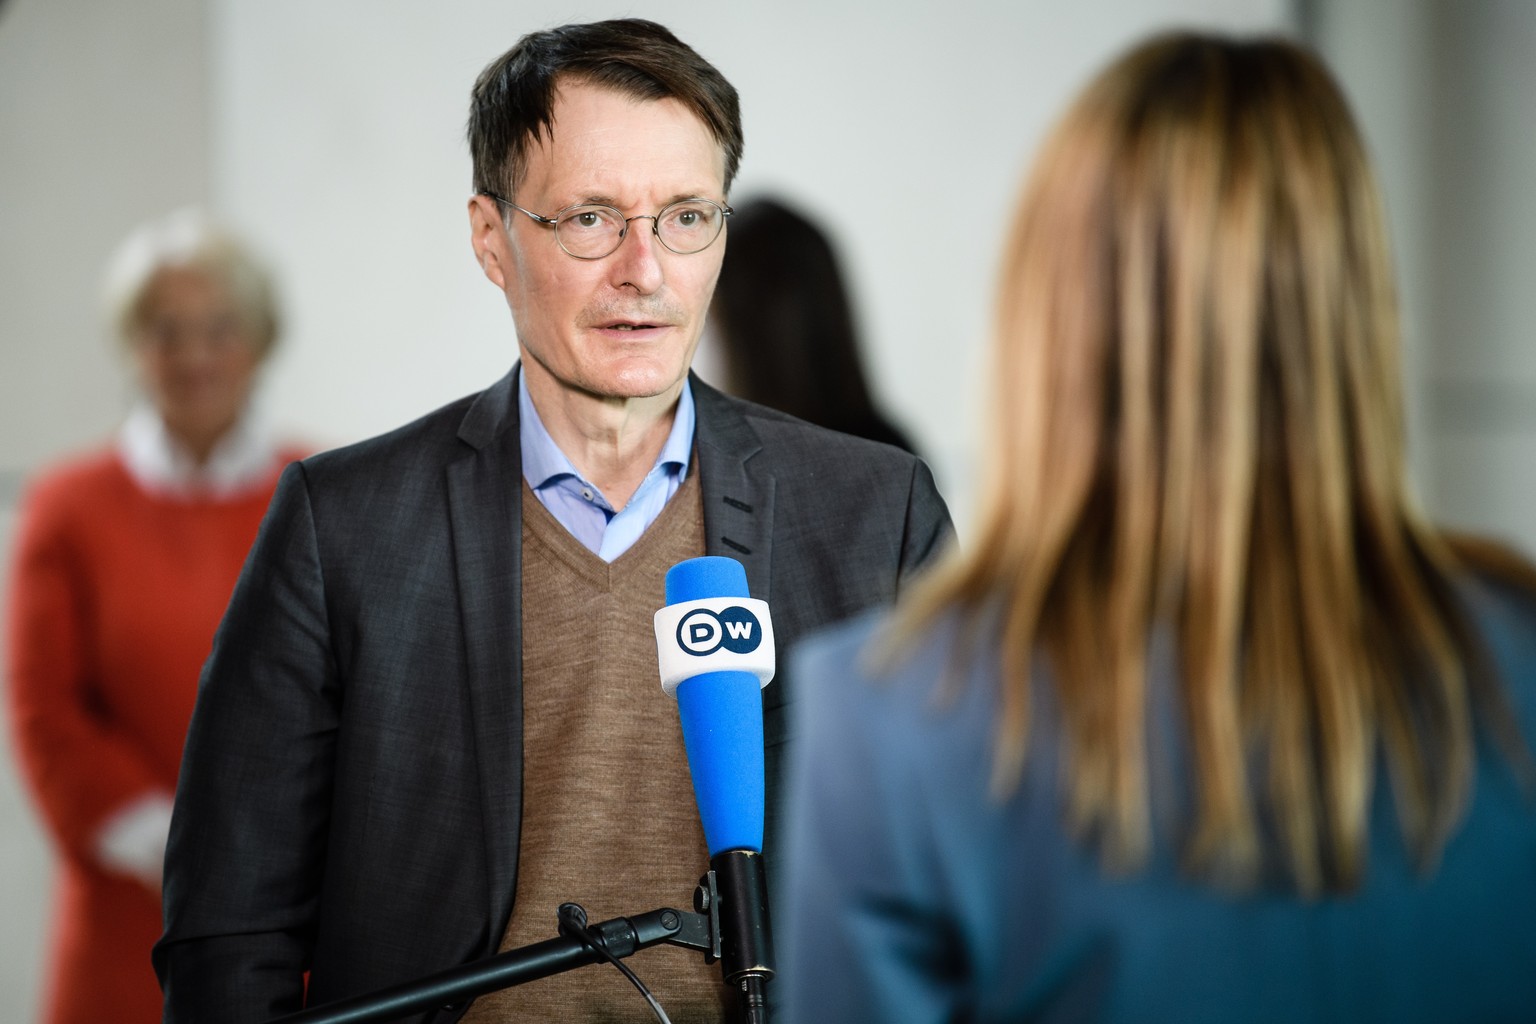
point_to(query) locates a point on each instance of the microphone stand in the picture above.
(737, 877)
(746, 954)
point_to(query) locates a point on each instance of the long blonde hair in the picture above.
(1197, 427)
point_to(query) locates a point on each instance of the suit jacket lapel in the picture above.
(739, 492)
(738, 503)
(485, 508)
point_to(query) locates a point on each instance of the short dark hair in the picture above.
(512, 103)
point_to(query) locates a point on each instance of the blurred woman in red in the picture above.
(125, 559)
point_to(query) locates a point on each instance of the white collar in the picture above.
(240, 462)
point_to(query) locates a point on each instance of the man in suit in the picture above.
(432, 711)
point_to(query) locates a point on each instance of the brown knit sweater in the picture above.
(609, 819)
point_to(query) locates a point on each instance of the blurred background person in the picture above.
(123, 564)
(781, 328)
(1207, 724)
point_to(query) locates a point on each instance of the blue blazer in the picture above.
(350, 794)
(909, 896)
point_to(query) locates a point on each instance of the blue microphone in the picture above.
(714, 645)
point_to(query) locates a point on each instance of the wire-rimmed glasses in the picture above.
(590, 231)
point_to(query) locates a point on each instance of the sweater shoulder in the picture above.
(80, 480)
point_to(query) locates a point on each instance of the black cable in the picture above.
(573, 921)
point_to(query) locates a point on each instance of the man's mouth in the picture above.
(629, 326)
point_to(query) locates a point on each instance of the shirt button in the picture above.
(586, 494)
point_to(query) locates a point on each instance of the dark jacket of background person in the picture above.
(1207, 725)
(783, 329)
(125, 559)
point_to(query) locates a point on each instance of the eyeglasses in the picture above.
(590, 231)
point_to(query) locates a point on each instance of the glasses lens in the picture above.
(590, 232)
(690, 225)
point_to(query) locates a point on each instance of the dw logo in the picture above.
(704, 632)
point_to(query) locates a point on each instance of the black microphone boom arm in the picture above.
(622, 936)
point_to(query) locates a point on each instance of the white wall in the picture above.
(103, 122)
(342, 148)
(1480, 374)
(1443, 93)
(333, 133)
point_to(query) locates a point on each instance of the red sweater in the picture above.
(115, 595)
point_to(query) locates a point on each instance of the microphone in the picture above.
(714, 644)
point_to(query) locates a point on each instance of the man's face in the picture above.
(624, 326)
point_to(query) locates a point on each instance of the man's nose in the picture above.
(637, 260)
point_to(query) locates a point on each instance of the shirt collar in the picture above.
(240, 463)
(544, 463)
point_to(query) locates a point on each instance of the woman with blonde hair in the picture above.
(124, 561)
(1206, 723)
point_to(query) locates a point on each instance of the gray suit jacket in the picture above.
(350, 795)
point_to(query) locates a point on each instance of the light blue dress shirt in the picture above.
(577, 503)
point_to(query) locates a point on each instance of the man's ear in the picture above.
(488, 238)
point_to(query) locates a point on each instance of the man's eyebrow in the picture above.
(600, 199)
